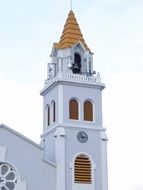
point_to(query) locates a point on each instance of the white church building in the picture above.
(72, 153)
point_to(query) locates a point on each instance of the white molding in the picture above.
(81, 44)
(49, 130)
(72, 79)
(49, 162)
(73, 126)
(104, 136)
(2, 153)
(60, 132)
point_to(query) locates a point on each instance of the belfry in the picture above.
(72, 154)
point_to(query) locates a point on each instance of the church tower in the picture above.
(73, 134)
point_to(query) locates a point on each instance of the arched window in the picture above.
(88, 111)
(47, 115)
(73, 109)
(82, 169)
(53, 111)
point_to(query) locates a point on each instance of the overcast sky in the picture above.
(113, 29)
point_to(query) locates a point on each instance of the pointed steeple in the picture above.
(71, 33)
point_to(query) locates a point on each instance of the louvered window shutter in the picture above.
(82, 169)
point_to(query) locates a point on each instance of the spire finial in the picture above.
(70, 4)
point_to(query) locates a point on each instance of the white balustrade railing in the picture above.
(79, 78)
(72, 77)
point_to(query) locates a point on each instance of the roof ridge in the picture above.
(21, 136)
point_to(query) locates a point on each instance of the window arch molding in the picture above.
(79, 48)
(74, 113)
(86, 111)
(93, 166)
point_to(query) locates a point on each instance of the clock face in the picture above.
(82, 136)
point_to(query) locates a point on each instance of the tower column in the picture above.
(60, 157)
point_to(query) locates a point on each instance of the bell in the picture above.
(76, 68)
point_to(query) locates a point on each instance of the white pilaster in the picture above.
(60, 103)
(60, 158)
(104, 170)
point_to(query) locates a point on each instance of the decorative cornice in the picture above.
(72, 126)
(72, 79)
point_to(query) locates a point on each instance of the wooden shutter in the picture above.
(73, 109)
(88, 111)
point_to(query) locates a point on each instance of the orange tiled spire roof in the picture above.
(71, 33)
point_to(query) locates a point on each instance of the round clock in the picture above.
(82, 136)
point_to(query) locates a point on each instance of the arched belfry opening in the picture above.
(77, 64)
(82, 169)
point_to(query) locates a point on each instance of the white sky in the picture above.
(113, 29)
